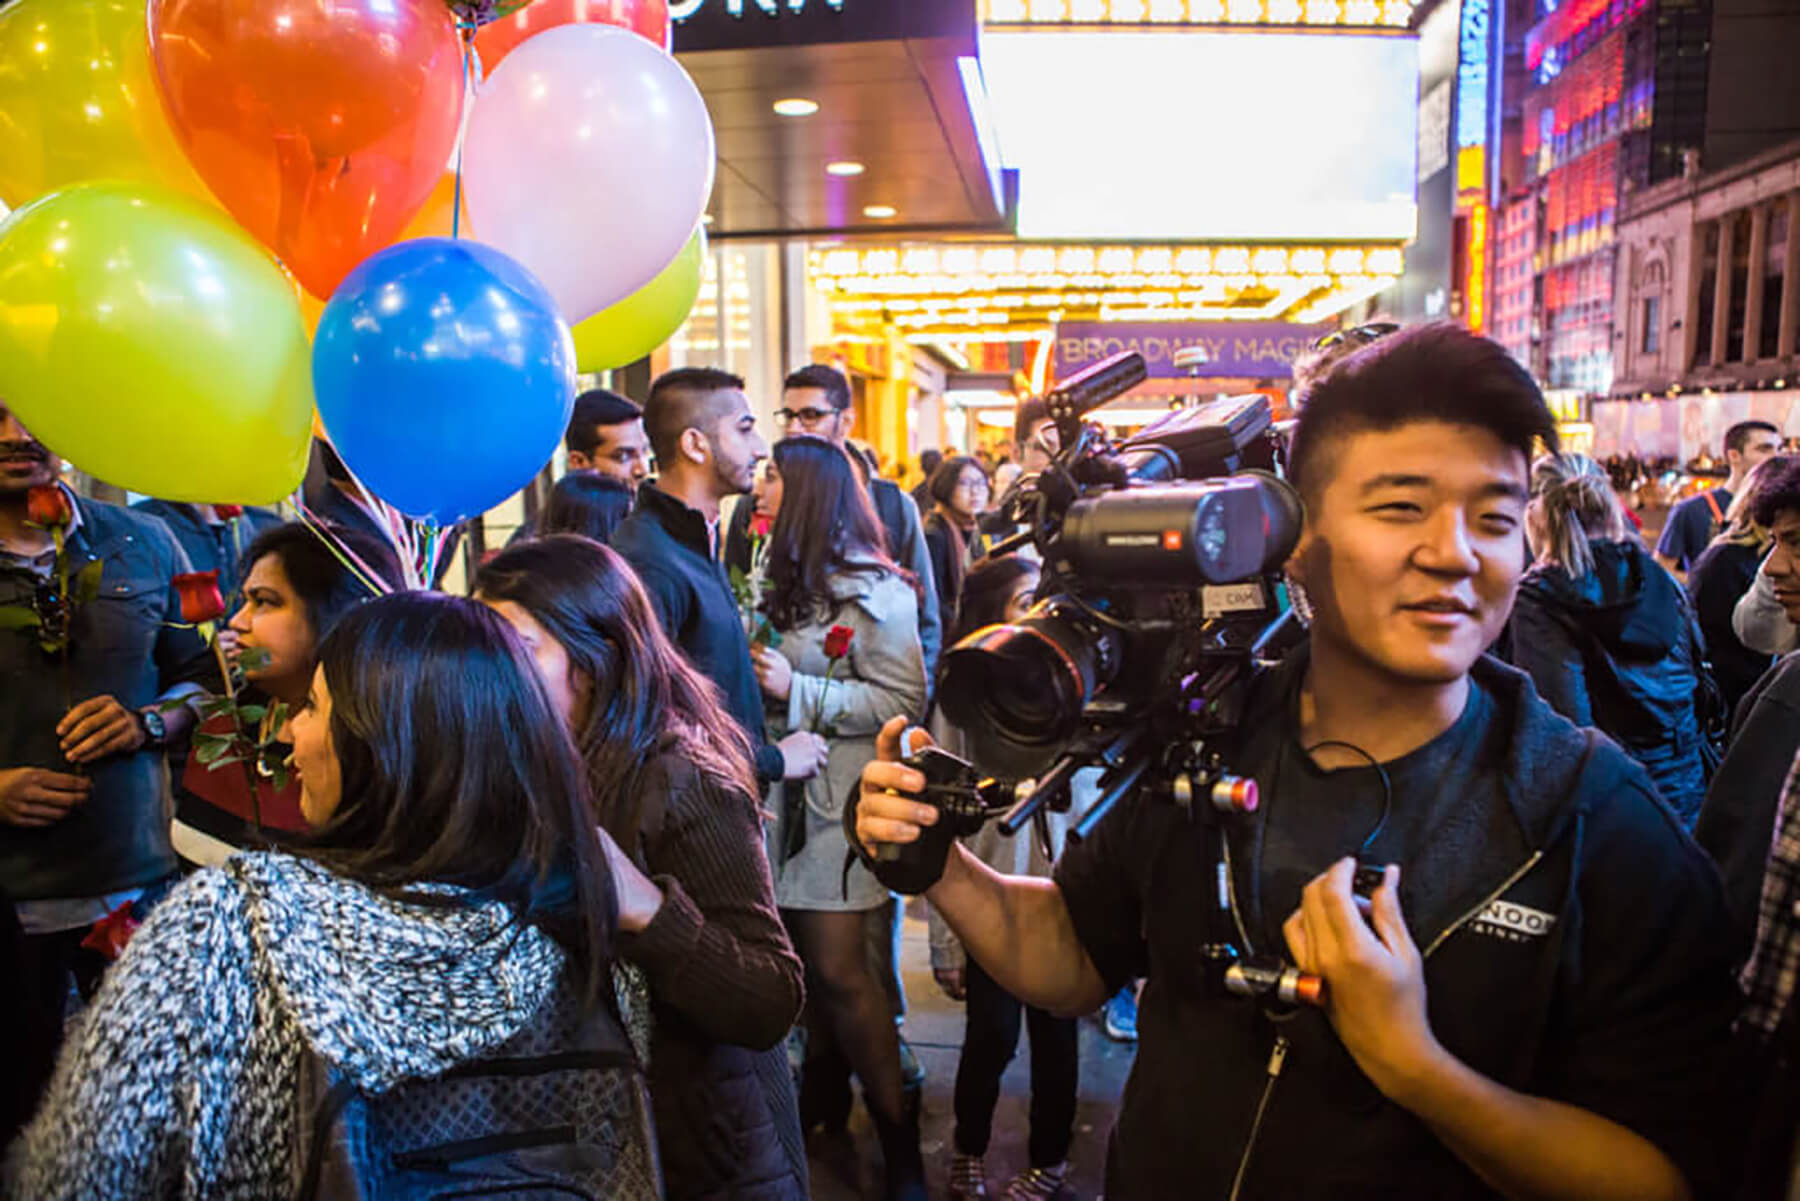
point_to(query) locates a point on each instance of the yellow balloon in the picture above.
(644, 320)
(152, 343)
(79, 100)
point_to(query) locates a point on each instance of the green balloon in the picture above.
(148, 340)
(647, 318)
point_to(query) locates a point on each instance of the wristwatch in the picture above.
(156, 731)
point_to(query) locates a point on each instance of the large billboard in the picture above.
(1204, 136)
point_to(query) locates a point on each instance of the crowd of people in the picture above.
(574, 885)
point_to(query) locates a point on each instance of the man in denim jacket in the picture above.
(84, 795)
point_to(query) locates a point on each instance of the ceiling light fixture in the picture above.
(796, 106)
(844, 169)
(881, 212)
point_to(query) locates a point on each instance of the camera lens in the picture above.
(1027, 683)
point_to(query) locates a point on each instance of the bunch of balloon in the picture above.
(629, 330)
(589, 158)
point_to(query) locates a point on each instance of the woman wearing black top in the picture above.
(959, 492)
(1721, 576)
(1606, 634)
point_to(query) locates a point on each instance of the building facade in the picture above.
(1708, 276)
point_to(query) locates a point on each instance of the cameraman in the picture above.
(1538, 999)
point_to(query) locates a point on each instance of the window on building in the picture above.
(1651, 342)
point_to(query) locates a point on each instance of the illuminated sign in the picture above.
(1472, 74)
(1255, 349)
(1475, 280)
(754, 24)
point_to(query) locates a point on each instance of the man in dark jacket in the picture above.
(707, 447)
(84, 798)
(816, 400)
(214, 537)
(1535, 1002)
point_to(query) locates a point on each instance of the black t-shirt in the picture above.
(1315, 816)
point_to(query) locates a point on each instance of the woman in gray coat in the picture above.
(849, 659)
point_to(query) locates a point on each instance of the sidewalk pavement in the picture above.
(934, 1027)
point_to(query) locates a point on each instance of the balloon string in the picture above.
(468, 37)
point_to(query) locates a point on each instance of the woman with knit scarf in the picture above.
(454, 886)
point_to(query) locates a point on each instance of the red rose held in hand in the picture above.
(47, 506)
(837, 641)
(110, 934)
(200, 599)
(760, 525)
(227, 512)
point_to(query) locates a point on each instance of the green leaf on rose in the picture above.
(223, 761)
(252, 658)
(252, 713)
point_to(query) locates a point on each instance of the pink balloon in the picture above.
(589, 159)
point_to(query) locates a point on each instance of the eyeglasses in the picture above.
(978, 484)
(1358, 335)
(806, 417)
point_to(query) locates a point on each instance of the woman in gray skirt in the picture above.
(848, 660)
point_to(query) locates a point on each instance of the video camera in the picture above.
(1160, 594)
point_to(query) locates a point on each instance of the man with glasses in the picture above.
(84, 800)
(816, 400)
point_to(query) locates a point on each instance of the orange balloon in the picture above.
(648, 18)
(322, 125)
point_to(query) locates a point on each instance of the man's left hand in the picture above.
(1374, 978)
(98, 727)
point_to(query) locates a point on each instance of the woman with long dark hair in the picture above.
(849, 660)
(454, 896)
(671, 780)
(959, 491)
(295, 590)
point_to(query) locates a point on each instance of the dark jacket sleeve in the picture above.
(737, 535)
(1543, 649)
(716, 950)
(1647, 996)
(901, 517)
(1737, 822)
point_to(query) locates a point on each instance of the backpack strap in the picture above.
(1712, 502)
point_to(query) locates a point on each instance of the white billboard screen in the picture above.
(1206, 136)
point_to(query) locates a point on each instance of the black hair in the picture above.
(586, 503)
(929, 460)
(942, 484)
(332, 462)
(1738, 436)
(593, 409)
(645, 693)
(986, 589)
(1777, 492)
(681, 400)
(826, 526)
(1031, 413)
(1436, 372)
(456, 770)
(326, 587)
(829, 380)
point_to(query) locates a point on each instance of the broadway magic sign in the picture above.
(1243, 349)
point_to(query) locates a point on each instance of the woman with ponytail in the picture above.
(1606, 634)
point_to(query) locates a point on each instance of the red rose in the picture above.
(837, 641)
(200, 599)
(227, 512)
(760, 525)
(47, 506)
(112, 932)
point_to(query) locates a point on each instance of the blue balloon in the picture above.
(445, 376)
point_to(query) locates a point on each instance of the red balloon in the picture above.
(648, 18)
(322, 125)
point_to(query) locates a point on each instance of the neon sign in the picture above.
(1472, 75)
(1475, 285)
